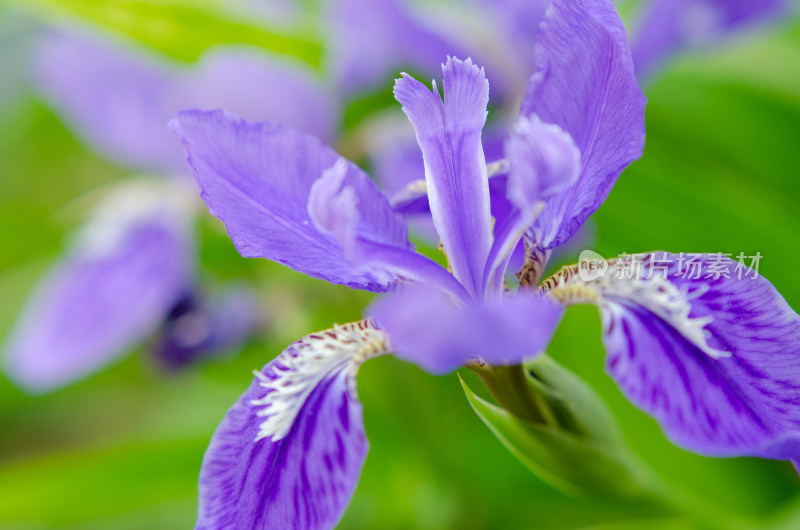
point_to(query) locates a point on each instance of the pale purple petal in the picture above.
(449, 135)
(93, 306)
(372, 40)
(119, 99)
(204, 326)
(332, 206)
(733, 391)
(427, 329)
(398, 167)
(543, 160)
(257, 179)
(584, 83)
(303, 480)
(502, 209)
(665, 27)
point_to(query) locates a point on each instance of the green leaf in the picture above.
(183, 31)
(572, 463)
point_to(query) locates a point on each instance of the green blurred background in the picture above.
(122, 449)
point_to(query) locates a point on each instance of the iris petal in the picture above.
(257, 178)
(427, 329)
(289, 452)
(449, 135)
(710, 350)
(584, 83)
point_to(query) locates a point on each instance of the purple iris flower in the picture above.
(126, 267)
(665, 27)
(715, 359)
(117, 100)
(289, 452)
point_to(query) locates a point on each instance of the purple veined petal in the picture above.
(449, 135)
(289, 452)
(119, 99)
(112, 291)
(257, 179)
(703, 344)
(427, 329)
(584, 83)
(201, 326)
(370, 40)
(664, 27)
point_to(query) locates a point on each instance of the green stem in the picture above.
(511, 390)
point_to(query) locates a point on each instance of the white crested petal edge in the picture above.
(305, 364)
(655, 294)
(288, 454)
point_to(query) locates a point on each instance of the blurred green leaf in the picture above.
(181, 30)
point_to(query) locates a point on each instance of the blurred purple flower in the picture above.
(289, 452)
(201, 326)
(370, 40)
(120, 278)
(119, 101)
(665, 27)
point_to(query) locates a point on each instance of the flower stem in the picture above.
(511, 390)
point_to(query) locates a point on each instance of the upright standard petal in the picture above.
(257, 179)
(449, 135)
(705, 345)
(427, 329)
(119, 99)
(584, 83)
(111, 292)
(665, 27)
(289, 453)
